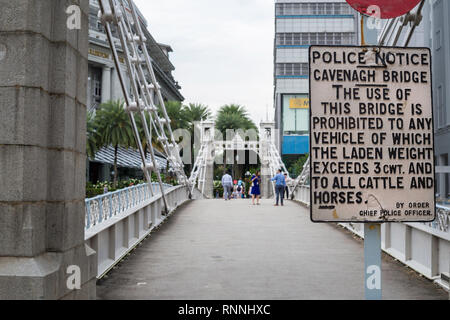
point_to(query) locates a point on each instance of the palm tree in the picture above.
(114, 129)
(177, 115)
(234, 117)
(92, 136)
(154, 139)
(196, 112)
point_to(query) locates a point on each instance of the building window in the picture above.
(313, 9)
(295, 110)
(312, 38)
(292, 69)
(95, 23)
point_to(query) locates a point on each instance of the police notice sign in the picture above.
(372, 155)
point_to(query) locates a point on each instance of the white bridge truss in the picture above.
(265, 148)
(145, 96)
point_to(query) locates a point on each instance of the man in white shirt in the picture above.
(227, 184)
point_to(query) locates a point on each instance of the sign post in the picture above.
(372, 232)
(372, 141)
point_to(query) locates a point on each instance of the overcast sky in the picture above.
(223, 50)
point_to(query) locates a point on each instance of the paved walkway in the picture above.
(212, 249)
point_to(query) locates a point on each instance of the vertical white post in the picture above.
(372, 231)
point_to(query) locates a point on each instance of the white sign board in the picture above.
(372, 138)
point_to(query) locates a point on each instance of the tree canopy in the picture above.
(235, 117)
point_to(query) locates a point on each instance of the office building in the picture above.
(104, 85)
(299, 24)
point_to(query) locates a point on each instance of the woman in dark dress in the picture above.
(255, 191)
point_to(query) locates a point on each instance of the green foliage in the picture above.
(196, 112)
(92, 137)
(141, 129)
(233, 117)
(93, 190)
(217, 187)
(113, 126)
(297, 167)
(177, 115)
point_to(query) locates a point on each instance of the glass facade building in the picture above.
(299, 24)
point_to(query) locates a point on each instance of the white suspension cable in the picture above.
(124, 18)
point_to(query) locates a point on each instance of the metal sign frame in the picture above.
(432, 133)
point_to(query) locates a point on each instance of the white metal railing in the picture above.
(442, 222)
(424, 247)
(118, 221)
(106, 206)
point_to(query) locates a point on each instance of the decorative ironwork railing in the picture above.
(442, 222)
(106, 206)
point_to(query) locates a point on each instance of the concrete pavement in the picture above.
(212, 249)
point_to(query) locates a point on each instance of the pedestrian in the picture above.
(280, 185)
(255, 190)
(239, 190)
(286, 189)
(227, 184)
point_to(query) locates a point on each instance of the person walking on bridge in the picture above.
(280, 186)
(286, 189)
(227, 184)
(255, 190)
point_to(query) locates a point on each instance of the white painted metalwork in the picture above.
(424, 247)
(106, 206)
(265, 148)
(393, 29)
(302, 179)
(129, 216)
(270, 157)
(123, 17)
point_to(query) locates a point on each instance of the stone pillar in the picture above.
(209, 184)
(106, 84)
(266, 182)
(43, 75)
(207, 136)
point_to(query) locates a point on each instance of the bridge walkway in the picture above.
(212, 249)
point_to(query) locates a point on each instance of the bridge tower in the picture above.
(43, 152)
(207, 139)
(267, 139)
